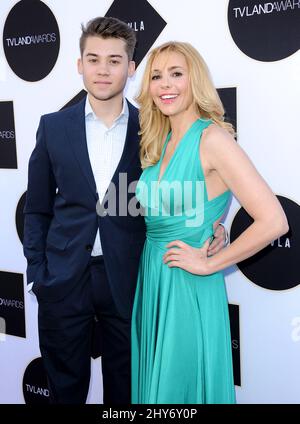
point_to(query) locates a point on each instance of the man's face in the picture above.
(104, 67)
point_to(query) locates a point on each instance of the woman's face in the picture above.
(169, 84)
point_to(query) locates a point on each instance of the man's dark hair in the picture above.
(107, 27)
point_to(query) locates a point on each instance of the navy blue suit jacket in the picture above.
(61, 221)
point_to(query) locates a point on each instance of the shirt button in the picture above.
(89, 247)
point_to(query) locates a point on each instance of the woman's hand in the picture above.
(191, 259)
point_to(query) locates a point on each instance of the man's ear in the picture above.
(79, 66)
(131, 68)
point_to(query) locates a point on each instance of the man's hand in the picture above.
(219, 240)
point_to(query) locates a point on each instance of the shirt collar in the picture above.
(89, 113)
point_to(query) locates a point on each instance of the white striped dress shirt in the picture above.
(105, 148)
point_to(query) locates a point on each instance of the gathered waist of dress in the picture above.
(162, 242)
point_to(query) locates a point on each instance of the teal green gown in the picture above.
(181, 344)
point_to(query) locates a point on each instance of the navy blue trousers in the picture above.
(65, 335)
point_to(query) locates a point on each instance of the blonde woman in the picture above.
(181, 346)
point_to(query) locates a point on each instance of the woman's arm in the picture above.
(237, 172)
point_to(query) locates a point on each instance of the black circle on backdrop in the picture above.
(35, 387)
(20, 217)
(276, 266)
(265, 30)
(31, 40)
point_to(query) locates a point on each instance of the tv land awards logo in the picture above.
(35, 386)
(265, 30)
(276, 266)
(143, 18)
(31, 45)
(12, 303)
(8, 152)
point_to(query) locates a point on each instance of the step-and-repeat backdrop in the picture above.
(252, 50)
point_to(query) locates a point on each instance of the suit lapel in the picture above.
(77, 137)
(131, 144)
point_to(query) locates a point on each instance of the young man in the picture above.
(81, 264)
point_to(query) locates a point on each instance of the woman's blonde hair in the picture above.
(154, 125)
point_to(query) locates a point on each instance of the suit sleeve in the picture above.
(38, 210)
